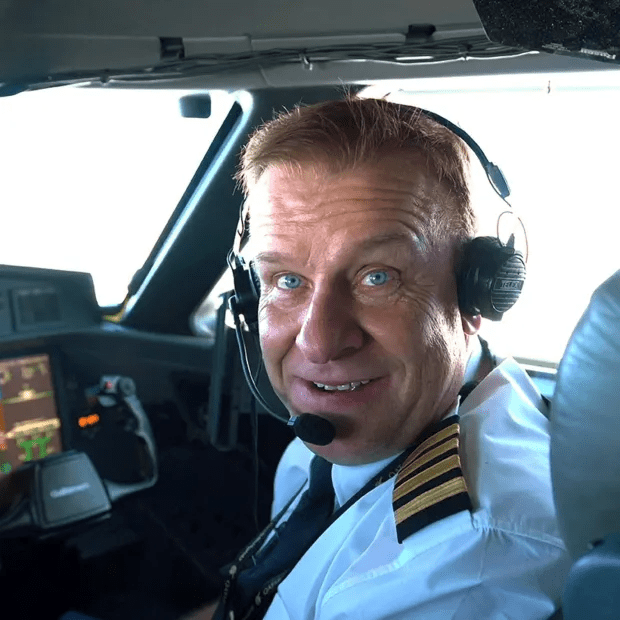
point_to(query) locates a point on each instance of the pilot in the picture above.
(429, 501)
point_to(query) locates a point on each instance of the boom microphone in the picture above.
(313, 428)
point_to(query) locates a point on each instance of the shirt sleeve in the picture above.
(479, 575)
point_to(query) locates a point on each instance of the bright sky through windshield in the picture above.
(556, 139)
(91, 176)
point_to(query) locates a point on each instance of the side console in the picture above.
(64, 458)
(68, 448)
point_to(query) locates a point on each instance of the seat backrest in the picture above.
(585, 458)
(585, 425)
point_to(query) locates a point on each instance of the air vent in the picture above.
(36, 306)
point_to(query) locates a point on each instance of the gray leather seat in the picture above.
(585, 457)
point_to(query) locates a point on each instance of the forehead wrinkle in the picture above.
(375, 186)
(294, 235)
(394, 242)
(296, 251)
(297, 219)
(398, 240)
(305, 201)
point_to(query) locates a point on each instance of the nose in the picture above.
(329, 330)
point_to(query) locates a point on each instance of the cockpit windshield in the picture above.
(90, 177)
(552, 137)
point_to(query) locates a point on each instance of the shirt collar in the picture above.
(349, 479)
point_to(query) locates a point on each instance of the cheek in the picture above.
(447, 347)
(277, 333)
(426, 340)
(408, 327)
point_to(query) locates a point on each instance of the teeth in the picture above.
(344, 387)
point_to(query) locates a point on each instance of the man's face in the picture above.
(358, 291)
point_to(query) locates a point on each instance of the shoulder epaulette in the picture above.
(430, 484)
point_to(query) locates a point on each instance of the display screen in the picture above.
(29, 422)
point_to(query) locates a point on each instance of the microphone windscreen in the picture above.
(313, 429)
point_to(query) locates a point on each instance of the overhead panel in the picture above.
(233, 18)
(45, 40)
(245, 44)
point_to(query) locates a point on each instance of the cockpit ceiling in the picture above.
(248, 44)
(200, 18)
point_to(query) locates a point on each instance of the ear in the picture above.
(471, 324)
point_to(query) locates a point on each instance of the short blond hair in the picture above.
(355, 131)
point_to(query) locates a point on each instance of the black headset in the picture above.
(490, 274)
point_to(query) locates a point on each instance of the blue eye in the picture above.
(376, 278)
(288, 281)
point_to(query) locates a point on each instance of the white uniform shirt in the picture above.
(504, 560)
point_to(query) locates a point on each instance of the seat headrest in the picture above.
(585, 424)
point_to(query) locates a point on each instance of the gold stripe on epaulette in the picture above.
(431, 497)
(453, 429)
(413, 483)
(430, 485)
(451, 444)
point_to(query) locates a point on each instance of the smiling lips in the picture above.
(344, 387)
(315, 396)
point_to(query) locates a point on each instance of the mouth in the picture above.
(344, 387)
(308, 396)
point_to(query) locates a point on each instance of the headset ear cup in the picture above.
(247, 292)
(490, 278)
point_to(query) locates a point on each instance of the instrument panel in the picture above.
(30, 427)
(71, 441)
(73, 447)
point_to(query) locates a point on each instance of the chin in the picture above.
(342, 452)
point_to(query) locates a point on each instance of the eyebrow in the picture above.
(399, 238)
(368, 245)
